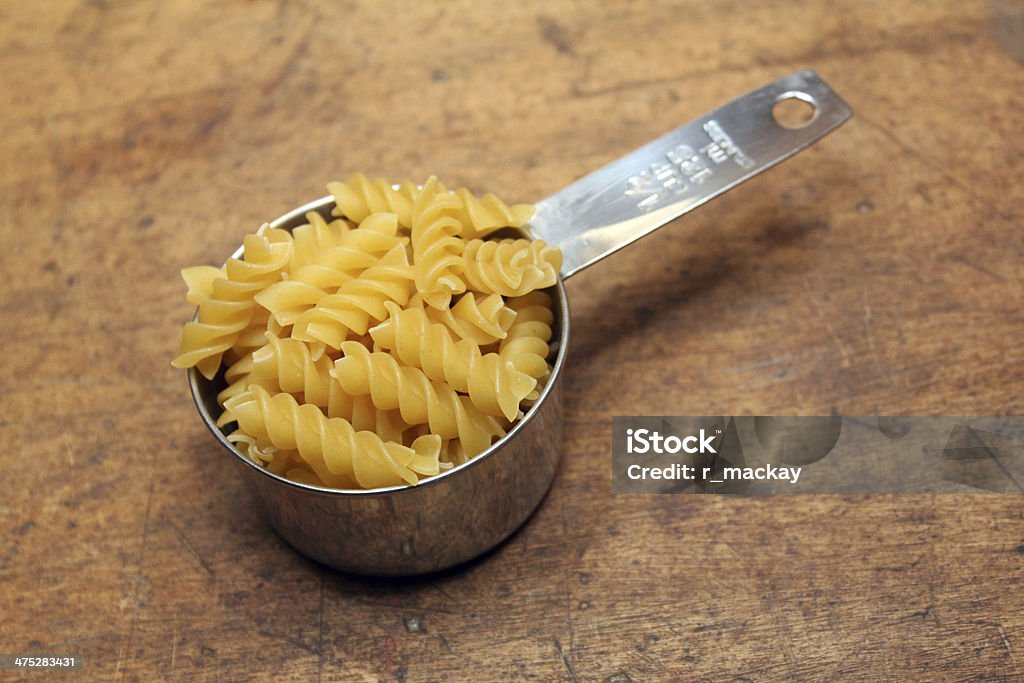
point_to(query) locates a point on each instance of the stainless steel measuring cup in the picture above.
(462, 513)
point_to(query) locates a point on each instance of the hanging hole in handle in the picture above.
(794, 110)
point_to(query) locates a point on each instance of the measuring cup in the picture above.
(460, 514)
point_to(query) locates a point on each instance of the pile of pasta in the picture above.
(393, 342)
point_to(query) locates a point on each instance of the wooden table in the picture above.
(879, 271)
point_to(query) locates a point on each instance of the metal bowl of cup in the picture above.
(404, 530)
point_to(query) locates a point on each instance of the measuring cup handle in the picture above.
(655, 184)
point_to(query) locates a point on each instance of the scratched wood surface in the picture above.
(879, 271)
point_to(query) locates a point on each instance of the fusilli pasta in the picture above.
(380, 347)
(481, 216)
(493, 384)
(315, 236)
(483, 319)
(526, 344)
(510, 267)
(419, 401)
(357, 302)
(352, 254)
(226, 305)
(358, 197)
(331, 446)
(436, 247)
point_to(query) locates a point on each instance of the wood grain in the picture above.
(879, 271)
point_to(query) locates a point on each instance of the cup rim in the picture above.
(195, 380)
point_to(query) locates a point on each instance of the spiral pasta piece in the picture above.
(511, 267)
(289, 365)
(199, 281)
(204, 343)
(264, 454)
(227, 310)
(479, 318)
(286, 463)
(237, 377)
(436, 247)
(363, 415)
(481, 216)
(285, 364)
(253, 337)
(357, 302)
(358, 197)
(331, 446)
(526, 345)
(312, 238)
(265, 255)
(354, 252)
(493, 384)
(419, 401)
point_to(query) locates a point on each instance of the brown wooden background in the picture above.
(879, 271)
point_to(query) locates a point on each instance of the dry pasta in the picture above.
(331, 446)
(436, 248)
(358, 197)
(382, 345)
(510, 267)
(482, 216)
(226, 309)
(357, 303)
(289, 365)
(363, 415)
(393, 386)
(309, 240)
(493, 384)
(526, 344)
(353, 253)
(483, 319)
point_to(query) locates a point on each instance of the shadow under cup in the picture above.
(407, 530)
